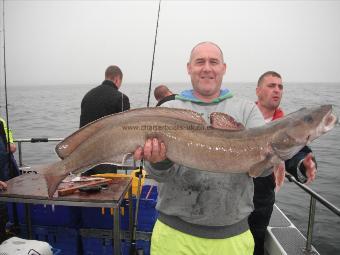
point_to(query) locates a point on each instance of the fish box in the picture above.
(66, 241)
(49, 215)
(56, 251)
(95, 217)
(147, 213)
(99, 241)
(103, 217)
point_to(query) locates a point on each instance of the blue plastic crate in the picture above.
(47, 215)
(99, 241)
(56, 251)
(20, 207)
(67, 240)
(92, 217)
(140, 245)
(147, 213)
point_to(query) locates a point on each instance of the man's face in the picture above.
(269, 92)
(206, 69)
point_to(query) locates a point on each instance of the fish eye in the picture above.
(308, 119)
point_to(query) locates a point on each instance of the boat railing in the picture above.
(314, 196)
(32, 140)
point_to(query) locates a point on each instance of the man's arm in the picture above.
(302, 166)
(126, 103)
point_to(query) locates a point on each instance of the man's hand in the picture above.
(310, 167)
(12, 147)
(3, 185)
(153, 151)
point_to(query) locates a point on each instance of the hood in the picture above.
(187, 95)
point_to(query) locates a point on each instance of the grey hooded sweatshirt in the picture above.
(201, 203)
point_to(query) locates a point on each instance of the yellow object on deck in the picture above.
(132, 174)
(134, 184)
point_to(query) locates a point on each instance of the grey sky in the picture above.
(72, 42)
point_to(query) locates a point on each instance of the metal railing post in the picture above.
(20, 152)
(310, 224)
(314, 197)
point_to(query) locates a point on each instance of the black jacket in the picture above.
(8, 165)
(101, 101)
(3, 134)
(264, 194)
(166, 99)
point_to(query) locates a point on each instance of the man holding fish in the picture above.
(202, 212)
(204, 173)
(206, 212)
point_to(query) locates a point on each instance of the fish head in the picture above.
(300, 128)
(308, 124)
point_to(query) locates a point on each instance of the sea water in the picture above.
(53, 112)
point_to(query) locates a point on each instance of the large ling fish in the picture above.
(189, 140)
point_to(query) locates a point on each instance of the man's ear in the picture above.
(117, 81)
(258, 90)
(188, 68)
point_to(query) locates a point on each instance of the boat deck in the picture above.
(283, 237)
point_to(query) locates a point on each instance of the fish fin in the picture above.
(221, 120)
(258, 168)
(280, 174)
(70, 143)
(53, 182)
(182, 114)
(53, 173)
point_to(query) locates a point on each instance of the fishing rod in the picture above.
(133, 248)
(7, 137)
(153, 55)
(7, 144)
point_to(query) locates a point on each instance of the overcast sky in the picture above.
(72, 42)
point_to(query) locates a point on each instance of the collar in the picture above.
(278, 113)
(187, 95)
(110, 83)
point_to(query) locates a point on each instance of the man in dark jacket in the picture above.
(302, 166)
(104, 99)
(163, 94)
(8, 170)
(101, 101)
(8, 165)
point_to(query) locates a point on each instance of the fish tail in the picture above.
(53, 182)
(53, 174)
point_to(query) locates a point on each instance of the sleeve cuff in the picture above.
(301, 172)
(163, 165)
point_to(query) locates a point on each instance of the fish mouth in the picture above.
(330, 120)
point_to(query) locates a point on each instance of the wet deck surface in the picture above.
(33, 186)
